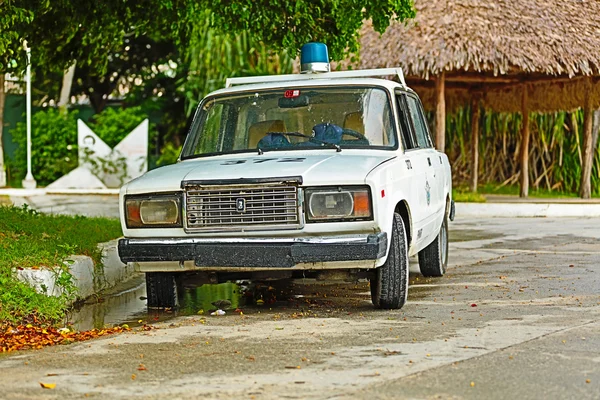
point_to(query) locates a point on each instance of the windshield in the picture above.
(291, 119)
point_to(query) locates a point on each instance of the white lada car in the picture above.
(295, 175)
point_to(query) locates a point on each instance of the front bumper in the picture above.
(281, 253)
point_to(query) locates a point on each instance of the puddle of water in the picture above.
(194, 299)
(129, 306)
(110, 310)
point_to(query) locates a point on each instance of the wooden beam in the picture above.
(475, 113)
(585, 188)
(440, 113)
(524, 143)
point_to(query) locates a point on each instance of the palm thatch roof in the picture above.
(494, 48)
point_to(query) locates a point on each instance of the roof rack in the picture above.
(365, 73)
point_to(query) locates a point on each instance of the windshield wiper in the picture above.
(298, 134)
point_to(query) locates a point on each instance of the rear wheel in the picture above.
(433, 259)
(161, 290)
(389, 286)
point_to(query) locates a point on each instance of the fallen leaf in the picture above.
(48, 385)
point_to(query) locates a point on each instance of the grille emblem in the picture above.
(240, 205)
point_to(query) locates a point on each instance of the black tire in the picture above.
(161, 290)
(389, 286)
(433, 259)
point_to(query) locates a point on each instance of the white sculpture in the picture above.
(100, 166)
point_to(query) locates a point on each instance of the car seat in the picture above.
(258, 131)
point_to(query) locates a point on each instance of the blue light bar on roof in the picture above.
(314, 58)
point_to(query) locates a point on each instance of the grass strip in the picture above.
(29, 239)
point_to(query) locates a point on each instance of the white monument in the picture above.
(101, 167)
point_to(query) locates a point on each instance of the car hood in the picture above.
(324, 168)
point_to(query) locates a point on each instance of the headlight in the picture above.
(153, 211)
(338, 203)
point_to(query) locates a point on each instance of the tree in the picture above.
(63, 31)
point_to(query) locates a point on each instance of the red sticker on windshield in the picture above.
(289, 94)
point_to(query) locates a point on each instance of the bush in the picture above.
(54, 145)
(168, 155)
(113, 124)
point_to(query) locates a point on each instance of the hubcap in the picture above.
(443, 244)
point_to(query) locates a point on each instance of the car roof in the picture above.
(327, 82)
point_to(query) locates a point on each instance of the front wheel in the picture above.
(389, 286)
(433, 259)
(161, 290)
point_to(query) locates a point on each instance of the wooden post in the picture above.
(475, 113)
(524, 144)
(585, 188)
(440, 112)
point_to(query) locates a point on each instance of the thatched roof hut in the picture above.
(506, 55)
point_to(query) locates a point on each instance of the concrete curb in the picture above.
(88, 279)
(527, 210)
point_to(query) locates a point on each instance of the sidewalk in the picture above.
(105, 203)
(95, 203)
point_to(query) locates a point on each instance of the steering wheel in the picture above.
(353, 133)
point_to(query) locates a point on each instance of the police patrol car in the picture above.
(296, 175)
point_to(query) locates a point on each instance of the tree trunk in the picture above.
(524, 144)
(595, 131)
(65, 91)
(475, 113)
(585, 188)
(440, 113)
(2, 98)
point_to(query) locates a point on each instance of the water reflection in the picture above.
(195, 299)
(129, 306)
(122, 307)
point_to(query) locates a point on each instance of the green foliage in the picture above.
(514, 190)
(214, 56)
(287, 25)
(463, 195)
(555, 154)
(19, 301)
(113, 124)
(54, 145)
(168, 155)
(31, 239)
(62, 31)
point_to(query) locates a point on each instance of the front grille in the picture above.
(264, 205)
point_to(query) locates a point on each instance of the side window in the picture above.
(416, 114)
(408, 138)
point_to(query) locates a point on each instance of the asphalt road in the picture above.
(516, 316)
